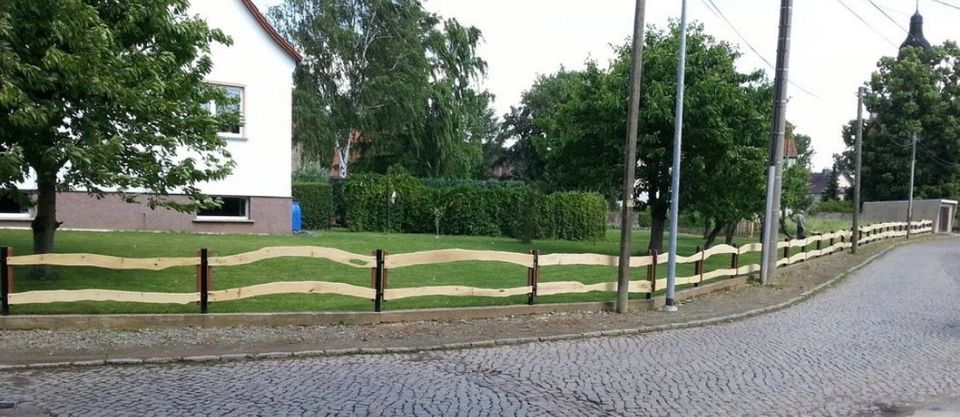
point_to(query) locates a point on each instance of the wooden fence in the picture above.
(380, 263)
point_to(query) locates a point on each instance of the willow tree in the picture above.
(99, 96)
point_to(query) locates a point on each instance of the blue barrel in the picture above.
(297, 220)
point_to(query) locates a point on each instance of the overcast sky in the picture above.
(833, 52)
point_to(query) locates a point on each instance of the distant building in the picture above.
(820, 181)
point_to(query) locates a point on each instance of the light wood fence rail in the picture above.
(379, 263)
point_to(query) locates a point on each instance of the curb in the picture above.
(239, 357)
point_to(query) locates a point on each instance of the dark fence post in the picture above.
(6, 280)
(735, 260)
(652, 273)
(786, 250)
(698, 267)
(533, 277)
(204, 279)
(377, 277)
(831, 242)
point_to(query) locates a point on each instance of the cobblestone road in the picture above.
(888, 335)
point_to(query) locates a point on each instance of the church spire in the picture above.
(915, 38)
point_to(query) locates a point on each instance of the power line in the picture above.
(867, 23)
(884, 12)
(717, 12)
(946, 4)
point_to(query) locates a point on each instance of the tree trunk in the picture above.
(712, 235)
(706, 228)
(731, 232)
(658, 220)
(45, 223)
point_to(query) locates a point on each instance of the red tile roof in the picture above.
(790, 149)
(265, 24)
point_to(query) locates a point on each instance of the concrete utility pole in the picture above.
(671, 303)
(858, 150)
(771, 230)
(913, 169)
(630, 159)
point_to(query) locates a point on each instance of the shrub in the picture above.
(316, 203)
(514, 211)
(312, 172)
(578, 216)
(339, 206)
(835, 206)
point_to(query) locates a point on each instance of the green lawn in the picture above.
(477, 274)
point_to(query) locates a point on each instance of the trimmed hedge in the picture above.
(316, 203)
(470, 209)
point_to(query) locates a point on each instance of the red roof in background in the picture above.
(790, 149)
(265, 24)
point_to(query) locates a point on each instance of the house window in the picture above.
(10, 208)
(215, 108)
(231, 208)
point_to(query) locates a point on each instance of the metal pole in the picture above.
(671, 304)
(858, 149)
(630, 159)
(771, 228)
(913, 168)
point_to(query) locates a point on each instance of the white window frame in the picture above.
(24, 215)
(212, 106)
(228, 219)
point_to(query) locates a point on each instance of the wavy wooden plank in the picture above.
(454, 291)
(335, 255)
(752, 247)
(101, 261)
(638, 261)
(719, 250)
(729, 272)
(573, 287)
(457, 255)
(815, 253)
(693, 279)
(578, 259)
(69, 296)
(797, 258)
(783, 262)
(748, 269)
(292, 287)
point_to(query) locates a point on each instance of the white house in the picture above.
(257, 67)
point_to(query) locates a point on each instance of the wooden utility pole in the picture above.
(858, 149)
(771, 228)
(630, 159)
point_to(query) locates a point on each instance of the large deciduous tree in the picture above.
(107, 95)
(916, 92)
(581, 127)
(390, 80)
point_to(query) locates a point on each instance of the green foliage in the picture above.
(576, 122)
(832, 191)
(316, 204)
(406, 79)
(514, 211)
(113, 92)
(916, 92)
(339, 204)
(796, 189)
(578, 216)
(835, 206)
(312, 172)
(453, 182)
